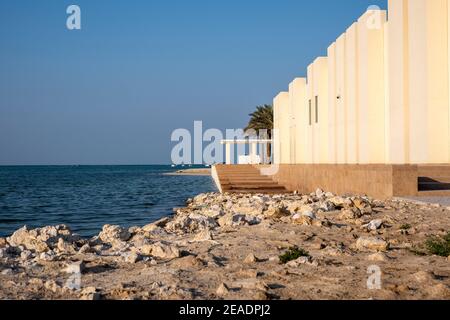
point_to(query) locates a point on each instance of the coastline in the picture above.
(190, 172)
(228, 246)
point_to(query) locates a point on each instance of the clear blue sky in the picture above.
(113, 92)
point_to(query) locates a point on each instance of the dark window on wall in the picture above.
(317, 109)
(310, 111)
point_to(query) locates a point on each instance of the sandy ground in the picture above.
(239, 258)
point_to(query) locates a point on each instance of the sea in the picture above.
(87, 197)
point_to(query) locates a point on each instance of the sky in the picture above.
(114, 91)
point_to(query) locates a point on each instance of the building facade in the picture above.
(380, 96)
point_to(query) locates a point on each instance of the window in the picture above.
(310, 115)
(317, 109)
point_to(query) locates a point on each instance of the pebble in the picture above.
(222, 290)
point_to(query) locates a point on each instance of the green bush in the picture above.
(293, 254)
(439, 246)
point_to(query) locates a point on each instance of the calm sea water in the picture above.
(87, 197)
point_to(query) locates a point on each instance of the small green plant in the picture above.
(405, 226)
(439, 246)
(293, 254)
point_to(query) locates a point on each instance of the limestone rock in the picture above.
(439, 291)
(371, 244)
(377, 257)
(204, 235)
(296, 263)
(51, 285)
(90, 293)
(3, 243)
(234, 220)
(114, 234)
(86, 249)
(250, 259)
(131, 257)
(363, 205)
(276, 212)
(65, 247)
(373, 225)
(350, 213)
(26, 255)
(160, 223)
(303, 220)
(161, 250)
(7, 272)
(222, 290)
(28, 239)
(190, 223)
(423, 277)
(47, 256)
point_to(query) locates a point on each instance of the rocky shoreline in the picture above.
(231, 246)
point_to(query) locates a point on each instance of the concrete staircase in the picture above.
(244, 179)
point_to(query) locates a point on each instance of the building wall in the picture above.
(297, 98)
(282, 144)
(383, 92)
(370, 89)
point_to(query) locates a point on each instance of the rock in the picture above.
(233, 220)
(320, 193)
(52, 286)
(423, 277)
(131, 257)
(327, 206)
(161, 250)
(85, 249)
(377, 257)
(65, 247)
(373, 225)
(350, 214)
(296, 263)
(204, 235)
(363, 205)
(114, 234)
(90, 293)
(26, 255)
(250, 259)
(261, 296)
(47, 256)
(160, 223)
(276, 212)
(339, 202)
(222, 290)
(188, 262)
(439, 291)
(371, 243)
(275, 259)
(303, 220)
(28, 239)
(36, 282)
(213, 212)
(190, 223)
(75, 268)
(333, 252)
(7, 272)
(3, 243)
(251, 284)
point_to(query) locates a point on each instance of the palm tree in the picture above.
(262, 119)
